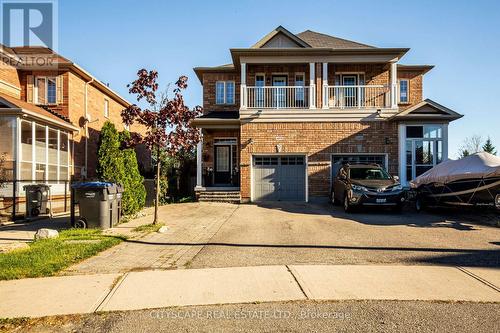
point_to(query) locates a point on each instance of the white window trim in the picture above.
(407, 91)
(35, 91)
(224, 94)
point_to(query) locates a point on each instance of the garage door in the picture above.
(279, 178)
(338, 160)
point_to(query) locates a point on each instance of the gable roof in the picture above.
(276, 32)
(35, 111)
(427, 109)
(320, 40)
(311, 39)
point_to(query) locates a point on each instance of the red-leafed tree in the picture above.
(167, 120)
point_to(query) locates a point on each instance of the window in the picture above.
(106, 108)
(45, 90)
(259, 91)
(51, 91)
(299, 92)
(51, 149)
(403, 91)
(424, 148)
(224, 92)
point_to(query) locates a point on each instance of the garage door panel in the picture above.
(279, 178)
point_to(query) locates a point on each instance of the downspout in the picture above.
(86, 126)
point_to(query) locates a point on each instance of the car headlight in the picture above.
(359, 188)
(397, 188)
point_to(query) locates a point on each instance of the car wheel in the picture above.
(347, 205)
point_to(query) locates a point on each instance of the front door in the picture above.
(279, 93)
(222, 161)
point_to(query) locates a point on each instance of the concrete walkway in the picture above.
(165, 288)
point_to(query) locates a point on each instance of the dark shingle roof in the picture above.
(316, 39)
(221, 115)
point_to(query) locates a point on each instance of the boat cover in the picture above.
(478, 165)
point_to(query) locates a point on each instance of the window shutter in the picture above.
(59, 88)
(29, 89)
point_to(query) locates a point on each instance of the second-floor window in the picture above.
(106, 108)
(46, 90)
(224, 92)
(299, 92)
(403, 91)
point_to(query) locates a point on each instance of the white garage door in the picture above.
(279, 178)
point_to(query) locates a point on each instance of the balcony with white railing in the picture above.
(357, 97)
(278, 97)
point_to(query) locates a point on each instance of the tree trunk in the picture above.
(157, 200)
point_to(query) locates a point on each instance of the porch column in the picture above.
(312, 86)
(325, 85)
(243, 87)
(394, 76)
(199, 153)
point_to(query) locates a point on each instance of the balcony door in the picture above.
(279, 93)
(350, 90)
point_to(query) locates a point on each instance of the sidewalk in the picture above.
(155, 289)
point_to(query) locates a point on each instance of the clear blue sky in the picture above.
(112, 39)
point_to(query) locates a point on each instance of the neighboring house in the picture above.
(50, 120)
(283, 116)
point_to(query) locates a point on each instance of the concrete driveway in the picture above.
(288, 233)
(206, 235)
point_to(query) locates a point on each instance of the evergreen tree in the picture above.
(134, 196)
(464, 153)
(121, 167)
(489, 148)
(109, 156)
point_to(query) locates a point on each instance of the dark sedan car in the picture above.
(367, 185)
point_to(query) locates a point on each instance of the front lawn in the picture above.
(49, 256)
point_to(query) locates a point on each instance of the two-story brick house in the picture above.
(51, 113)
(281, 118)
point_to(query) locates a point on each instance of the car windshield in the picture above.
(368, 173)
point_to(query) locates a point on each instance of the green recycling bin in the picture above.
(37, 199)
(96, 205)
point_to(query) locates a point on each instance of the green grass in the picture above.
(148, 227)
(49, 256)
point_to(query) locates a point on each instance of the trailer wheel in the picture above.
(80, 224)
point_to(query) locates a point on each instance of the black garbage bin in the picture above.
(37, 199)
(117, 214)
(95, 202)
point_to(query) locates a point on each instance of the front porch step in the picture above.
(219, 196)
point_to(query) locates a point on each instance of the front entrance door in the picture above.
(222, 161)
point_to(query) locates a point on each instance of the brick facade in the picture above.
(415, 87)
(318, 141)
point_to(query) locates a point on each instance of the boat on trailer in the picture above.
(470, 181)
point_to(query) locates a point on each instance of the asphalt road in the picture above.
(288, 233)
(306, 316)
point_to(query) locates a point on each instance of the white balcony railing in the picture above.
(361, 97)
(273, 97)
